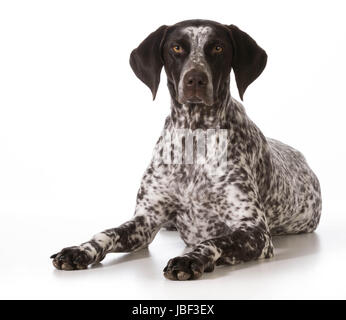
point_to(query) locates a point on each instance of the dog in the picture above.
(225, 211)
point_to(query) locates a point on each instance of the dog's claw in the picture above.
(181, 275)
(183, 268)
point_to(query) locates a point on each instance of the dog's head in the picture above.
(198, 56)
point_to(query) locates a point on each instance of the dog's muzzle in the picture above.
(195, 87)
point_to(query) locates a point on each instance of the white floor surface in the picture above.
(310, 266)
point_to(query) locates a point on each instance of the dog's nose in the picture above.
(195, 78)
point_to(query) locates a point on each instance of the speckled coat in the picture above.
(225, 213)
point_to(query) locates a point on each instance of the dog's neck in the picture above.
(198, 116)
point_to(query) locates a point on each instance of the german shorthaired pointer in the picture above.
(225, 211)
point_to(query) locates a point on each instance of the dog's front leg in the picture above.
(152, 212)
(130, 236)
(239, 245)
(246, 237)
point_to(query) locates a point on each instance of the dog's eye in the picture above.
(178, 49)
(217, 49)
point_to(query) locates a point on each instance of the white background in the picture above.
(77, 129)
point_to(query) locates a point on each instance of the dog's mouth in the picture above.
(195, 100)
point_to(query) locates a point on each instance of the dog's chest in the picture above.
(192, 184)
(199, 215)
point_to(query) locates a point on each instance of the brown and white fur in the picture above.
(225, 212)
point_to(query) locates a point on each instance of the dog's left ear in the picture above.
(146, 60)
(249, 59)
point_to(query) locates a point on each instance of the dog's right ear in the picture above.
(146, 60)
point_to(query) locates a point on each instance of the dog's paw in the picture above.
(183, 268)
(72, 258)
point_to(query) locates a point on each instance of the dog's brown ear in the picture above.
(146, 60)
(249, 59)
